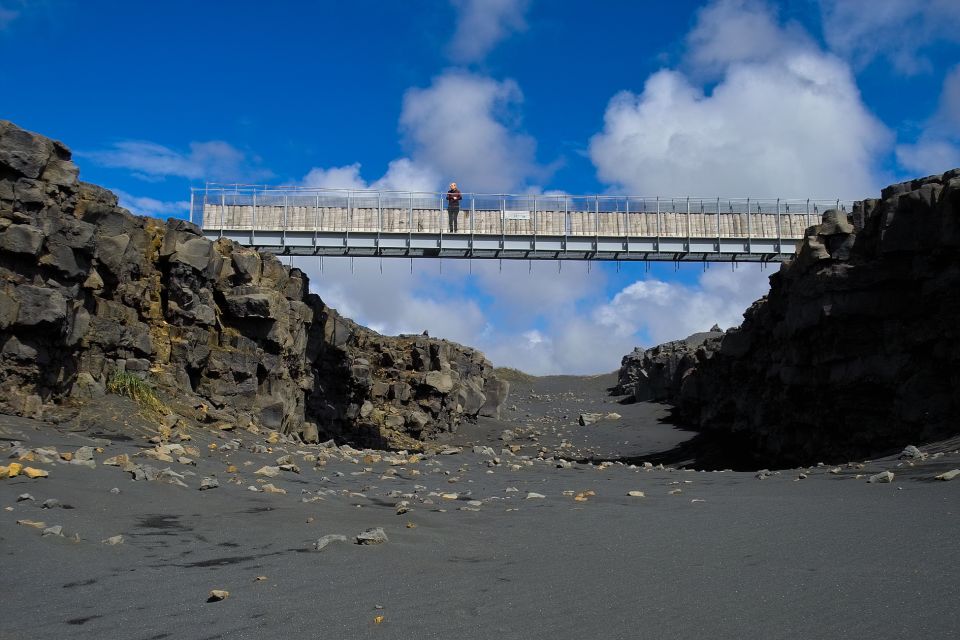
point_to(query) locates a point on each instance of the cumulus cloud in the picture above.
(900, 31)
(146, 206)
(212, 160)
(463, 127)
(937, 148)
(785, 119)
(481, 24)
(402, 175)
(659, 311)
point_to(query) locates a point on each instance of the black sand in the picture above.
(703, 555)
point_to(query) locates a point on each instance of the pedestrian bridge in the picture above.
(332, 222)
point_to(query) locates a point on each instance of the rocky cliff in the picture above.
(227, 335)
(856, 349)
(657, 374)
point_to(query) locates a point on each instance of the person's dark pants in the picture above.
(452, 216)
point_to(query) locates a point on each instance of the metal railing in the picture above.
(253, 207)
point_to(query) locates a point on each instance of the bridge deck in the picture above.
(551, 227)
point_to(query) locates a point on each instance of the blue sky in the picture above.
(830, 98)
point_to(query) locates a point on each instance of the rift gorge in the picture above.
(195, 445)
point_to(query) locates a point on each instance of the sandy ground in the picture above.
(701, 555)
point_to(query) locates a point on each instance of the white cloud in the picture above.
(461, 128)
(783, 121)
(212, 160)
(146, 206)
(481, 24)
(898, 30)
(730, 31)
(402, 175)
(937, 148)
(664, 311)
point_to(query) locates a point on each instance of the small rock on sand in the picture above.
(636, 494)
(113, 540)
(589, 418)
(216, 595)
(949, 475)
(55, 530)
(270, 472)
(24, 496)
(533, 495)
(883, 476)
(372, 536)
(321, 543)
(209, 482)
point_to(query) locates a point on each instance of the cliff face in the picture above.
(856, 349)
(228, 334)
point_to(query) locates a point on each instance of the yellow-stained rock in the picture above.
(118, 461)
(32, 472)
(231, 468)
(13, 469)
(32, 523)
(67, 456)
(29, 456)
(273, 437)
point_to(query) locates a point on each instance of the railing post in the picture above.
(749, 243)
(597, 222)
(779, 232)
(534, 223)
(316, 225)
(688, 224)
(658, 224)
(718, 225)
(223, 208)
(379, 221)
(253, 220)
(626, 220)
(349, 223)
(808, 212)
(283, 231)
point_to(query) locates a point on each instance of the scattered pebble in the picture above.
(882, 477)
(24, 496)
(209, 482)
(321, 543)
(372, 536)
(639, 494)
(216, 595)
(533, 495)
(113, 540)
(949, 475)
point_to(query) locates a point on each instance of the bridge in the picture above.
(298, 221)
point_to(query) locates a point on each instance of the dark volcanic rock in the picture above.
(856, 349)
(657, 374)
(229, 335)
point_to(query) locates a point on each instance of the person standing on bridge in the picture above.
(453, 206)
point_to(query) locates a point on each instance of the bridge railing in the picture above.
(240, 208)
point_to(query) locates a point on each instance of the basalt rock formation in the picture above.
(657, 374)
(855, 351)
(229, 335)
